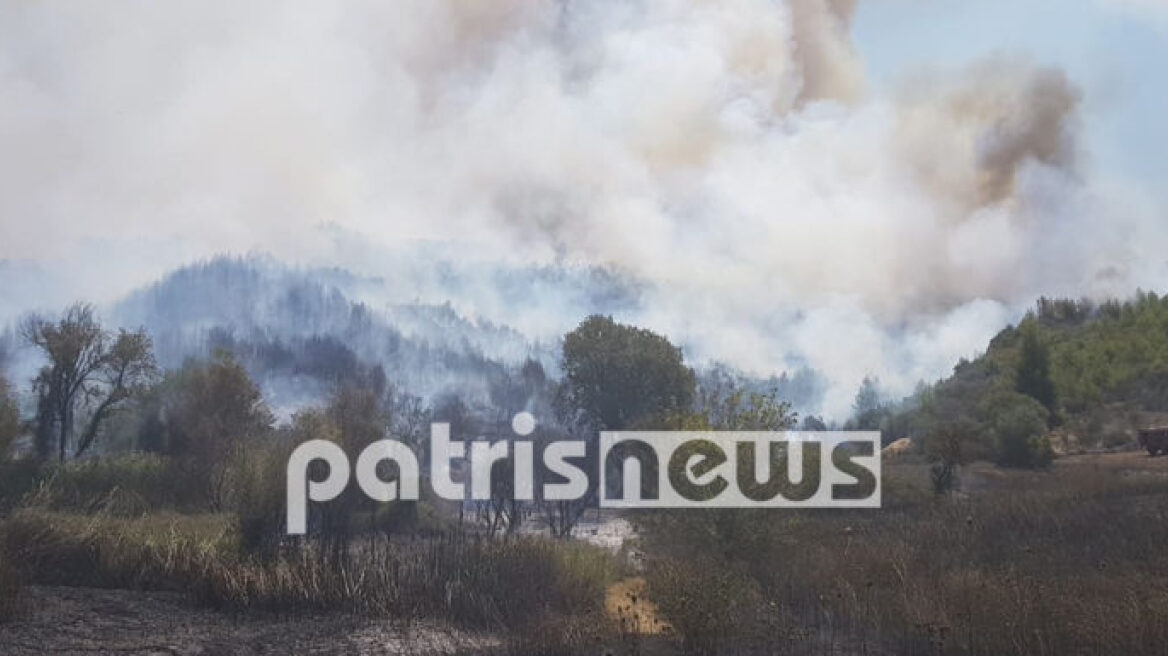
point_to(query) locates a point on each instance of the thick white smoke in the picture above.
(725, 152)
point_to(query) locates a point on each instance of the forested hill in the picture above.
(1084, 373)
(299, 331)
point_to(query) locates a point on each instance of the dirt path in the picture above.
(60, 620)
(627, 603)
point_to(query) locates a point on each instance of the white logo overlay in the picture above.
(625, 469)
(729, 469)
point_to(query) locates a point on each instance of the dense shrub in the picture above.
(1018, 424)
(1073, 358)
(128, 484)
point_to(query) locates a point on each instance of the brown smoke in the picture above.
(831, 68)
(726, 152)
(966, 137)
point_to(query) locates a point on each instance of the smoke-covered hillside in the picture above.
(300, 331)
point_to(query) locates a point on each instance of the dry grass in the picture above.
(154, 552)
(1071, 561)
(472, 581)
(628, 604)
(125, 522)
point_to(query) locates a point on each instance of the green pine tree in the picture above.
(1033, 376)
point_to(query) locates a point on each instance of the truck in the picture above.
(1155, 440)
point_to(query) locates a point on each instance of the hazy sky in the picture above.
(865, 188)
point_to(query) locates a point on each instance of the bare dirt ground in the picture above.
(1128, 462)
(59, 620)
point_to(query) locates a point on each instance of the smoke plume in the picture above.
(728, 155)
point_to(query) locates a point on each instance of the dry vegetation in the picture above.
(1066, 562)
(1016, 562)
(113, 523)
(473, 581)
(9, 590)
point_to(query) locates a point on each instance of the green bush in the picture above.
(1019, 426)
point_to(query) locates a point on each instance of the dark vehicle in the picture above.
(1155, 440)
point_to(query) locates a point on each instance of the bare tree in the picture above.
(562, 515)
(503, 511)
(409, 421)
(128, 366)
(87, 369)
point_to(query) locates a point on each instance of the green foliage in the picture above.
(751, 411)
(1016, 425)
(1072, 358)
(615, 375)
(1118, 355)
(1033, 374)
(202, 413)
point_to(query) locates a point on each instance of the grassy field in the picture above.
(470, 580)
(1070, 561)
(119, 525)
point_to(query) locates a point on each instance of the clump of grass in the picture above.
(156, 552)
